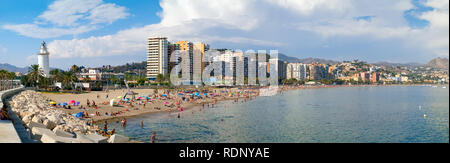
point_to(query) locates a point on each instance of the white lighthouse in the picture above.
(43, 60)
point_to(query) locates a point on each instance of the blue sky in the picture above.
(100, 32)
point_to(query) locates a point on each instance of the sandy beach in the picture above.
(171, 101)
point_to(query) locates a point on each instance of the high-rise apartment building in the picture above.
(198, 61)
(375, 77)
(297, 71)
(157, 57)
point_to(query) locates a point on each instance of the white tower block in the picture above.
(43, 60)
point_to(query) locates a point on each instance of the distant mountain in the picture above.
(439, 63)
(12, 68)
(287, 58)
(318, 60)
(130, 67)
(306, 60)
(388, 64)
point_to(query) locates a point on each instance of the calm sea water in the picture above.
(334, 115)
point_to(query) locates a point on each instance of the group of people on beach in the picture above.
(168, 100)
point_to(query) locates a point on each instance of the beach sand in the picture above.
(127, 111)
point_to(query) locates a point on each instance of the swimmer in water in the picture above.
(179, 115)
(142, 123)
(152, 140)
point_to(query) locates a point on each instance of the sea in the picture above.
(378, 114)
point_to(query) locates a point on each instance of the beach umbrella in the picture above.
(79, 115)
(111, 102)
(77, 103)
(119, 97)
(52, 103)
(64, 104)
(72, 102)
(181, 109)
(125, 99)
(205, 94)
(164, 95)
(180, 94)
(166, 102)
(147, 98)
(139, 98)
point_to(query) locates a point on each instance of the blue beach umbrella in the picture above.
(64, 104)
(79, 115)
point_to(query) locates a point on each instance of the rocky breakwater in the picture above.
(50, 125)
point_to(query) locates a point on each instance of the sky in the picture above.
(93, 33)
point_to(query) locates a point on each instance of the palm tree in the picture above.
(74, 69)
(35, 74)
(3, 76)
(56, 75)
(68, 79)
(159, 78)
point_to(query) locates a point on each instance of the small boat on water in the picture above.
(444, 87)
(424, 115)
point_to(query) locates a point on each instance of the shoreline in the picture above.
(282, 88)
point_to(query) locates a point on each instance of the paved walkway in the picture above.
(8, 133)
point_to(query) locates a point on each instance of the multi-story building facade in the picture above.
(319, 71)
(375, 77)
(157, 57)
(365, 76)
(297, 71)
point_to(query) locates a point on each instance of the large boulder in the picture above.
(62, 133)
(91, 138)
(32, 125)
(49, 124)
(118, 139)
(55, 119)
(38, 132)
(37, 119)
(52, 138)
(27, 118)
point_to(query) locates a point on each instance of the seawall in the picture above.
(8, 133)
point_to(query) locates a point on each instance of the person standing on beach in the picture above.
(105, 128)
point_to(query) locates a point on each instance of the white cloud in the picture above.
(274, 23)
(70, 17)
(3, 50)
(34, 31)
